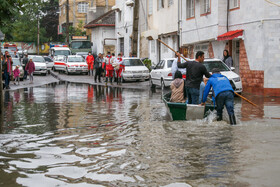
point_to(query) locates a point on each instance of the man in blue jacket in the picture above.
(223, 93)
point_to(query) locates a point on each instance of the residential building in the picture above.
(248, 29)
(102, 31)
(82, 11)
(124, 25)
(162, 23)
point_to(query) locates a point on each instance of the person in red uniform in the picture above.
(109, 68)
(90, 62)
(119, 68)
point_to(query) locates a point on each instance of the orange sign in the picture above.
(79, 37)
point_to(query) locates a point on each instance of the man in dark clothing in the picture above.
(223, 93)
(195, 71)
(24, 62)
(98, 67)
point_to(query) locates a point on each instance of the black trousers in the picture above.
(97, 73)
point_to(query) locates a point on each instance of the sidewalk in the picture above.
(90, 80)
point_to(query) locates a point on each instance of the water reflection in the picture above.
(79, 134)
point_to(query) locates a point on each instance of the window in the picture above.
(82, 7)
(205, 6)
(233, 4)
(190, 9)
(120, 16)
(170, 2)
(121, 44)
(150, 7)
(160, 4)
(153, 46)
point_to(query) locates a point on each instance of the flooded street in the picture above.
(84, 135)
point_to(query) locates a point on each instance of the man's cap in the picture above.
(215, 70)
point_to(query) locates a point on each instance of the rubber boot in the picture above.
(106, 81)
(220, 118)
(232, 119)
(117, 80)
(120, 81)
(111, 80)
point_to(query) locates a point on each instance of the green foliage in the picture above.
(78, 31)
(148, 63)
(9, 9)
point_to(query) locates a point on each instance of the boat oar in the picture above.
(246, 100)
(171, 49)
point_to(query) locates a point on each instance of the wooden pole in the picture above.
(246, 99)
(171, 49)
(187, 60)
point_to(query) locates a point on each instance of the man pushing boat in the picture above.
(223, 93)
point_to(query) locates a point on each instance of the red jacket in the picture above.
(90, 60)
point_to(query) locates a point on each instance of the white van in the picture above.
(58, 50)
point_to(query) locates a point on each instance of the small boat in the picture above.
(183, 111)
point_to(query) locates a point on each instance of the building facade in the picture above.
(102, 31)
(82, 12)
(248, 29)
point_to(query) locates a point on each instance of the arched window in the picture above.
(82, 7)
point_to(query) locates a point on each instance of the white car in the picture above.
(76, 64)
(161, 74)
(234, 78)
(134, 70)
(40, 64)
(59, 63)
(49, 62)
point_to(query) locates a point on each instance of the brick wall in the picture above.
(210, 50)
(252, 80)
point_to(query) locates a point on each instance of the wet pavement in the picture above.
(70, 134)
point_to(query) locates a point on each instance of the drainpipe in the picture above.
(179, 22)
(227, 13)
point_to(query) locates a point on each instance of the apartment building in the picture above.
(248, 29)
(82, 11)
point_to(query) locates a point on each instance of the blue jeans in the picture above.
(225, 98)
(201, 90)
(193, 95)
(7, 78)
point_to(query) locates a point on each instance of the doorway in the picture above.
(235, 55)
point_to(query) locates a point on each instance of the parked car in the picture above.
(59, 63)
(40, 64)
(234, 78)
(76, 64)
(161, 74)
(83, 54)
(16, 62)
(49, 62)
(134, 70)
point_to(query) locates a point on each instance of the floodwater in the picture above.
(83, 135)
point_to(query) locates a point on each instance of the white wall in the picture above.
(124, 26)
(98, 35)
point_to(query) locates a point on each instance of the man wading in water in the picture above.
(223, 93)
(195, 71)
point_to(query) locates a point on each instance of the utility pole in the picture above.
(67, 22)
(38, 36)
(135, 27)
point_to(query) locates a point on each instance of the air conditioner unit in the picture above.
(92, 9)
(129, 3)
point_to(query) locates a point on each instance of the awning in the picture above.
(230, 35)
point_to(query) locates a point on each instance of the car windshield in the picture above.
(76, 59)
(169, 63)
(81, 45)
(38, 59)
(16, 62)
(210, 65)
(11, 48)
(48, 59)
(62, 52)
(133, 62)
(59, 58)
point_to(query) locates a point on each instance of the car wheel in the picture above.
(44, 74)
(152, 84)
